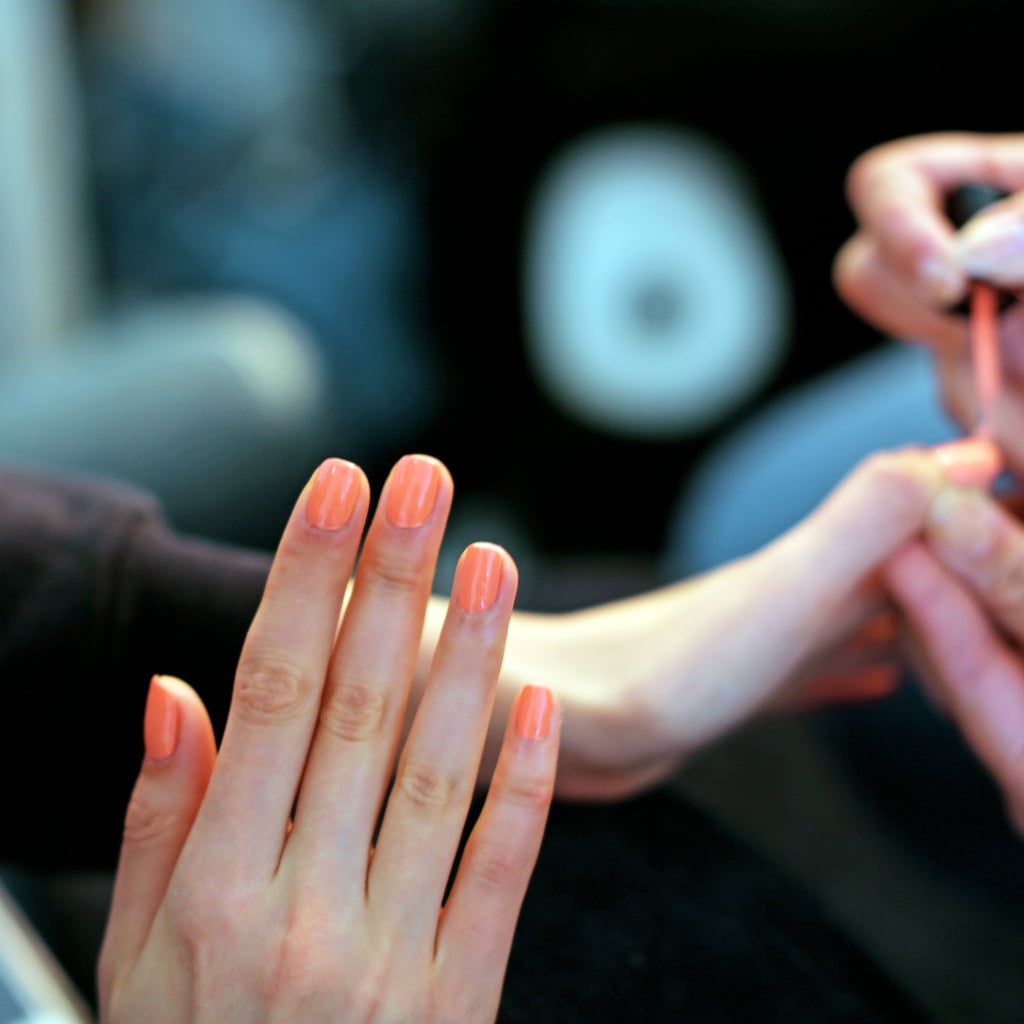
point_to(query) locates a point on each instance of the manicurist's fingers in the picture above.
(868, 284)
(278, 686)
(898, 192)
(900, 205)
(180, 754)
(979, 541)
(481, 914)
(436, 774)
(353, 751)
(980, 680)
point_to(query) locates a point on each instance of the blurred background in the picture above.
(241, 234)
(545, 241)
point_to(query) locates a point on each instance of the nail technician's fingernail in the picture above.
(963, 523)
(942, 279)
(160, 728)
(973, 462)
(992, 247)
(333, 497)
(533, 714)
(480, 572)
(413, 491)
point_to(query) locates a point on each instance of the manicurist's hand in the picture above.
(253, 884)
(906, 267)
(962, 590)
(647, 681)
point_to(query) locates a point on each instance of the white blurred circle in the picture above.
(655, 301)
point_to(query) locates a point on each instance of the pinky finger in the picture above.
(180, 754)
(475, 936)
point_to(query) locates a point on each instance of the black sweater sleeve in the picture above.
(97, 594)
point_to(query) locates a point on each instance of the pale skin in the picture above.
(906, 267)
(903, 270)
(228, 906)
(218, 879)
(250, 887)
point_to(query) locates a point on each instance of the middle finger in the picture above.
(352, 753)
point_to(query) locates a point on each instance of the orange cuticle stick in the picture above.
(985, 355)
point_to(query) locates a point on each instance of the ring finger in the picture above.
(437, 772)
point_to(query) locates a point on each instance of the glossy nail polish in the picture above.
(413, 490)
(160, 728)
(332, 499)
(972, 462)
(480, 571)
(533, 713)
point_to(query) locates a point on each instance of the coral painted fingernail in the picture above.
(332, 499)
(533, 714)
(413, 491)
(480, 571)
(974, 462)
(160, 727)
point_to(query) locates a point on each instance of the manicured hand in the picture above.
(300, 873)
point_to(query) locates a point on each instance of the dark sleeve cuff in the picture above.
(97, 594)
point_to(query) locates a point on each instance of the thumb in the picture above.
(180, 754)
(991, 245)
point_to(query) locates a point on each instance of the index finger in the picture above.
(281, 673)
